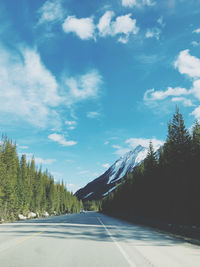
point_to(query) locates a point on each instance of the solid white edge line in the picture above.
(118, 246)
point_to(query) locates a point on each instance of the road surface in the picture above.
(91, 240)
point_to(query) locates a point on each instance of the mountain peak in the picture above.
(107, 182)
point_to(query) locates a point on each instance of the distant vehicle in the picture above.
(82, 211)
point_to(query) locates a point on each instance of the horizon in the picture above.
(81, 85)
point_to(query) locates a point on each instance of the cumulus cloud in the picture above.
(186, 102)
(197, 30)
(187, 64)
(153, 33)
(137, 3)
(61, 140)
(50, 12)
(160, 95)
(196, 113)
(196, 89)
(93, 114)
(182, 95)
(31, 93)
(28, 88)
(195, 43)
(129, 3)
(84, 28)
(83, 87)
(122, 25)
(104, 25)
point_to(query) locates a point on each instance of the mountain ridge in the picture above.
(107, 182)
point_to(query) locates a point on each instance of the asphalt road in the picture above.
(91, 240)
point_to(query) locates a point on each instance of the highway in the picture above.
(91, 240)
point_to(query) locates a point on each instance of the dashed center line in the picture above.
(29, 237)
(16, 242)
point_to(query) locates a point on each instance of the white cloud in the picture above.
(160, 21)
(177, 94)
(120, 150)
(22, 147)
(197, 30)
(71, 128)
(31, 93)
(30, 156)
(196, 89)
(122, 25)
(44, 161)
(61, 140)
(137, 3)
(134, 142)
(93, 114)
(153, 33)
(83, 87)
(186, 102)
(123, 40)
(28, 89)
(106, 165)
(195, 43)
(84, 28)
(129, 3)
(160, 95)
(70, 123)
(187, 64)
(51, 12)
(148, 2)
(196, 113)
(104, 25)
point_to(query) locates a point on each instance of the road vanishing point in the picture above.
(91, 239)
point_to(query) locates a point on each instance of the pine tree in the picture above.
(196, 136)
(150, 161)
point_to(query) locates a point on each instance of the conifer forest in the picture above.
(25, 188)
(166, 185)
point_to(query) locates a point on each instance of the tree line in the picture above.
(166, 185)
(25, 188)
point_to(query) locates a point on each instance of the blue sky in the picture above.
(82, 82)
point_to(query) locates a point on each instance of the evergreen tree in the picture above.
(150, 161)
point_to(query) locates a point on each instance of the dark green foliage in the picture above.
(166, 185)
(92, 205)
(23, 188)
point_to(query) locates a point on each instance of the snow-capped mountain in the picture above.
(107, 182)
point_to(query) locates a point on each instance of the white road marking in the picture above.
(129, 261)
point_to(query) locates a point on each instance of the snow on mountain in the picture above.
(107, 182)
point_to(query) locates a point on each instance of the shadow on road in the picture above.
(88, 227)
